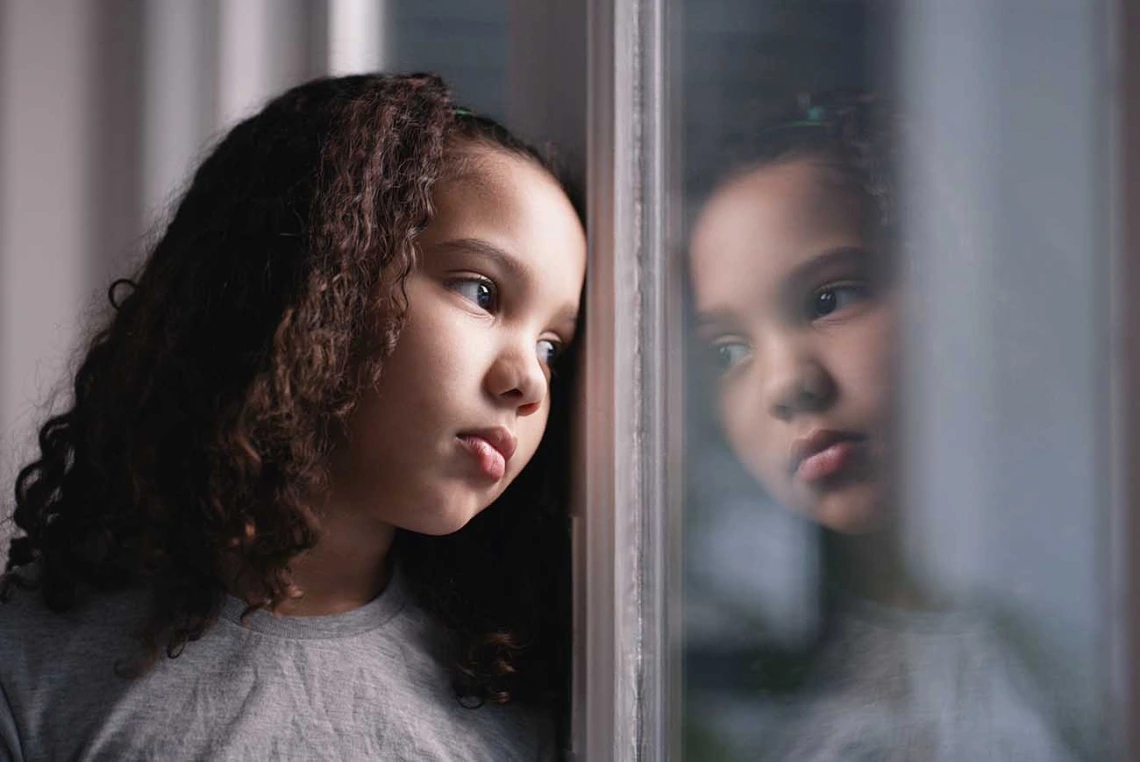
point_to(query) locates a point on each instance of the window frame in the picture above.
(1124, 32)
(627, 510)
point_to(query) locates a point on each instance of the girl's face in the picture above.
(793, 303)
(463, 400)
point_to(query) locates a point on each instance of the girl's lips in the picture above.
(827, 462)
(491, 448)
(491, 461)
(822, 454)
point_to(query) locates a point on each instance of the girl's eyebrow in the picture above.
(718, 321)
(502, 259)
(804, 275)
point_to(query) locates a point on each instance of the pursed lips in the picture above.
(499, 437)
(821, 453)
(492, 447)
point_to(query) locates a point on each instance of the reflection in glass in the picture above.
(792, 266)
(814, 630)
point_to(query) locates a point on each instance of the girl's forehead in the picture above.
(488, 170)
(477, 159)
(515, 205)
(799, 194)
(767, 221)
(496, 186)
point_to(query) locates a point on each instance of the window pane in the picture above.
(465, 42)
(897, 243)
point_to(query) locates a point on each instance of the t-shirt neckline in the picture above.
(376, 613)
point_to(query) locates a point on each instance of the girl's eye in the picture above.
(829, 299)
(479, 291)
(728, 354)
(548, 351)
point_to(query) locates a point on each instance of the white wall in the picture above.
(46, 218)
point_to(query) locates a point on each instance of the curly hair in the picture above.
(203, 413)
(853, 136)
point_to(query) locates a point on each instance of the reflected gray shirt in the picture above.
(367, 684)
(910, 686)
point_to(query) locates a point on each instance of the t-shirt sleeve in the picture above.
(10, 748)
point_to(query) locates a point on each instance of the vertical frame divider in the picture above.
(627, 589)
(1123, 21)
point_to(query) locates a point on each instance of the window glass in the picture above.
(896, 244)
(465, 42)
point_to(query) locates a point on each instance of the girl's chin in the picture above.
(854, 514)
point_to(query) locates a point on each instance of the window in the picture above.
(857, 418)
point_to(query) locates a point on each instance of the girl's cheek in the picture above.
(738, 415)
(882, 351)
(727, 406)
(867, 382)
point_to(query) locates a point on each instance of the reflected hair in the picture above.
(203, 412)
(852, 135)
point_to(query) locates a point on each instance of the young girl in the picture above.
(792, 270)
(259, 530)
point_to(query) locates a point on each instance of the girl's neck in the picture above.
(348, 567)
(871, 566)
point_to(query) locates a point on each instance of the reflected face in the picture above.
(794, 306)
(463, 400)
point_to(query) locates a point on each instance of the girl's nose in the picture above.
(517, 378)
(797, 384)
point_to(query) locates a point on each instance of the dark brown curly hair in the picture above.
(853, 136)
(203, 413)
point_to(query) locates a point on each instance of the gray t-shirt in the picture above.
(913, 686)
(367, 684)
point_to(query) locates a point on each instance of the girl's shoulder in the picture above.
(57, 671)
(34, 637)
(21, 596)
